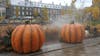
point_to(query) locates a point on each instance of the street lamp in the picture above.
(30, 12)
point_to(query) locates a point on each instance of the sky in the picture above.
(78, 4)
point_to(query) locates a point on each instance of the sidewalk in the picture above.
(90, 47)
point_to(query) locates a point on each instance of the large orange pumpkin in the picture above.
(72, 33)
(27, 38)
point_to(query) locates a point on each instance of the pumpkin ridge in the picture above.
(38, 36)
(76, 33)
(21, 40)
(41, 37)
(81, 32)
(73, 33)
(28, 38)
(70, 34)
(64, 33)
(18, 47)
(73, 37)
(13, 36)
(35, 32)
(31, 38)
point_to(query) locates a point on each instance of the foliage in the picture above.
(2, 17)
(69, 11)
(17, 11)
(7, 3)
(88, 9)
(35, 12)
(45, 13)
(5, 37)
(95, 1)
(95, 11)
(62, 11)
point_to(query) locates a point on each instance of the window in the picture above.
(26, 8)
(40, 5)
(22, 13)
(22, 8)
(30, 8)
(14, 7)
(2, 12)
(26, 13)
(19, 12)
(14, 12)
(30, 13)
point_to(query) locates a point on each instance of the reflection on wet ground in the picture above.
(89, 47)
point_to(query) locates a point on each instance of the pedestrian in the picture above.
(87, 28)
(95, 31)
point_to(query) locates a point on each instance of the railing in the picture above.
(20, 21)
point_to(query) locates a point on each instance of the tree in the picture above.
(69, 11)
(95, 11)
(88, 9)
(17, 11)
(7, 3)
(1, 18)
(73, 2)
(95, 1)
(62, 11)
(45, 13)
(35, 12)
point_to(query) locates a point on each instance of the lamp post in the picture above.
(8, 10)
(30, 12)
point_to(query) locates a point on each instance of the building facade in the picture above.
(25, 9)
(2, 9)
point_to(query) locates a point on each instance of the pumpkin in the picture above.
(27, 38)
(72, 33)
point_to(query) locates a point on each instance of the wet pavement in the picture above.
(89, 47)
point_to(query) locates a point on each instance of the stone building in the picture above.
(2, 9)
(25, 9)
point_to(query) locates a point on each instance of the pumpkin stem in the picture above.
(72, 22)
(27, 22)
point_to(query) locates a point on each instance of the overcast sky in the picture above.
(79, 3)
